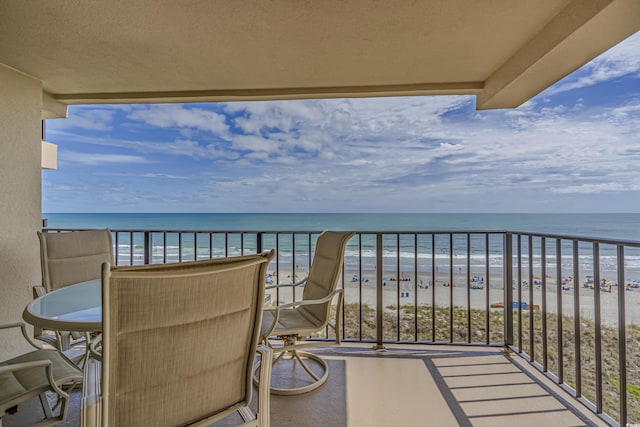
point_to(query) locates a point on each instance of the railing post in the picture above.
(622, 337)
(148, 248)
(487, 284)
(132, 247)
(379, 296)
(598, 326)
(519, 285)
(508, 290)
(577, 345)
(434, 275)
(543, 303)
(532, 353)
(117, 247)
(451, 287)
(559, 285)
(259, 243)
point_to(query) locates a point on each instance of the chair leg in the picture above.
(46, 407)
(264, 392)
(262, 416)
(64, 340)
(246, 414)
(305, 366)
(299, 356)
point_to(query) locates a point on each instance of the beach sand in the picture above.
(365, 293)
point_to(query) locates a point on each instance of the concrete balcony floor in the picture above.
(408, 386)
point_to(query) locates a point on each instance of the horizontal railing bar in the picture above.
(585, 239)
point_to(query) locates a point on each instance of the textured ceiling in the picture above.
(504, 51)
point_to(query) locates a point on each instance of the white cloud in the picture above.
(100, 159)
(625, 113)
(304, 130)
(454, 147)
(392, 157)
(283, 116)
(65, 187)
(150, 175)
(179, 116)
(595, 188)
(90, 118)
(178, 147)
(619, 61)
(254, 143)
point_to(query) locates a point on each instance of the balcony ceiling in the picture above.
(503, 51)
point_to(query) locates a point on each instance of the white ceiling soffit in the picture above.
(503, 51)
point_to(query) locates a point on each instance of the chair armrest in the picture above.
(39, 291)
(48, 368)
(282, 307)
(24, 365)
(309, 301)
(288, 285)
(23, 329)
(12, 325)
(93, 348)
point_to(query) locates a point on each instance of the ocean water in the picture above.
(361, 252)
(604, 226)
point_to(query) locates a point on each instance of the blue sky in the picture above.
(573, 148)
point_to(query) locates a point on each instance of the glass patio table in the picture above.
(75, 308)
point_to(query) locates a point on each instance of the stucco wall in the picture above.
(20, 197)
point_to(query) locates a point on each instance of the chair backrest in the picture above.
(179, 340)
(324, 274)
(73, 257)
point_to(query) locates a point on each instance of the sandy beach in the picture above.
(365, 292)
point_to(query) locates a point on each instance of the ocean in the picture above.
(363, 253)
(603, 226)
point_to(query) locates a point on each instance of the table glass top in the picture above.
(81, 302)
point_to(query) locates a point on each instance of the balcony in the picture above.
(458, 328)
(413, 385)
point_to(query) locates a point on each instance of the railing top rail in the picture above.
(606, 241)
(249, 231)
